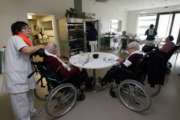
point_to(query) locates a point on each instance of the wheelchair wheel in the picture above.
(61, 100)
(41, 89)
(133, 95)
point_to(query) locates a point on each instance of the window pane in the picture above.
(164, 25)
(114, 26)
(176, 27)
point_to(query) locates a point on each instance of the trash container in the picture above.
(1, 60)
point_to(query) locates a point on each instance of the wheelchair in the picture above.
(131, 91)
(60, 96)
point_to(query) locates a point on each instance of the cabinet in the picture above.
(72, 33)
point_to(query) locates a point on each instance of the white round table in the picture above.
(87, 61)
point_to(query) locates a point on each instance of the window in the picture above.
(164, 25)
(143, 24)
(115, 26)
(176, 27)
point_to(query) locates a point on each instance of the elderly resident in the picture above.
(54, 63)
(73, 74)
(169, 45)
(130, 63)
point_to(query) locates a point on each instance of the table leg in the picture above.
(96, 82)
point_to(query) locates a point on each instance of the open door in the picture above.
(43, 28)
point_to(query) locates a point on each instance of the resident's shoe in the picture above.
(112, 93)
(35, 115)
(89, 84)
(81, 96)
(103, 83)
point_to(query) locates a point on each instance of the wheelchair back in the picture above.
(156, 65)
(40, 66)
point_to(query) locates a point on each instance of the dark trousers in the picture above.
(117, 73)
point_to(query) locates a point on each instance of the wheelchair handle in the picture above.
(31, 74)
(41, 82)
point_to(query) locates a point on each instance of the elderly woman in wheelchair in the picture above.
(64, 83)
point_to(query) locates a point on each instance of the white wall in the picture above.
(132, 22)
(13, 10)
(105, 12)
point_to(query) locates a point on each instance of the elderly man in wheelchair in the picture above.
(64, 83)
(128, 76)
(125, 67)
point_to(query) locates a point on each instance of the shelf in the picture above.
(75, 30)
(76, 49)
(76, 39)
(73, 35)
(75, 24)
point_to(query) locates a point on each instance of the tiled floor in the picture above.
(100, 106)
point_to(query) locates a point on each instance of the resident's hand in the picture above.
(120, 60)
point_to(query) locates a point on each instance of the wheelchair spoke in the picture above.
(55, 106)
(125, 91)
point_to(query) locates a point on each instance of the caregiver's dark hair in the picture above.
(17, 27)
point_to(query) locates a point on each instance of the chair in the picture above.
(168, 56)
(61, 96)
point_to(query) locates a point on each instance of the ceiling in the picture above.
(144, 4)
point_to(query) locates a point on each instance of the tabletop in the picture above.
(87, 60)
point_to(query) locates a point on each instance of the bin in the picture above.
(1, 60)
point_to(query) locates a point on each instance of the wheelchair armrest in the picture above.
(125, 69)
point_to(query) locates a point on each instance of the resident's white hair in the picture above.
(134, 45)
(51, 47)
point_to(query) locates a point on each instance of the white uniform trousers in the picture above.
(93, 45)
(23, 105)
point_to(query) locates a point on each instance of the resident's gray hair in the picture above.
(134, 45)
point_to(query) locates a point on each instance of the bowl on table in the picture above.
(95, 56)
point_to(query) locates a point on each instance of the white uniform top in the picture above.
(17, 67)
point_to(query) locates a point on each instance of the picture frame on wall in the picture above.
(47, 25)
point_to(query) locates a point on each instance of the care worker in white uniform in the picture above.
(17, 68)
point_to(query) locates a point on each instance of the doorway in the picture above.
(43, 28)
